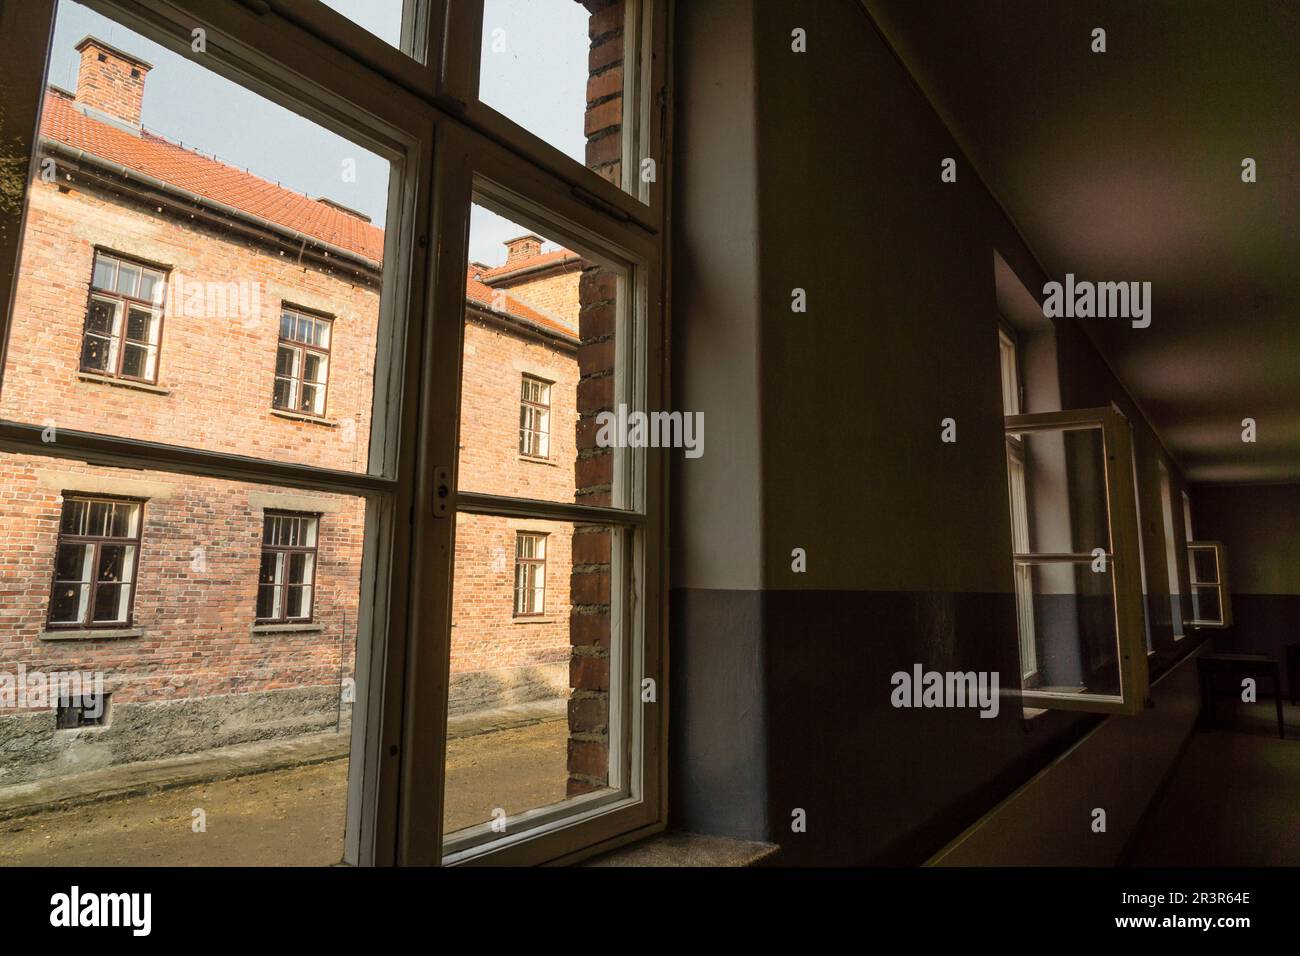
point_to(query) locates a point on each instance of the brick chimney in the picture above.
(111, 80)
(524, 247)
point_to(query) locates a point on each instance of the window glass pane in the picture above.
(530, 697)
(128, 279)
(73, 562)
(110, 601)
(537, 310)
(150, 285)
(1207, 606)
(383, 18)
(1076, 647)
(100, 317)
(199, 679)
(1204, 565)
(215, 337)
(105, 269)
(557, 70)
(74, 517)
(68, 604)
(1065, 491)
(96, 353)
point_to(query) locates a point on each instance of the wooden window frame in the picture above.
(310, 59)
(302, 349)
(286, 550)
(521, 562)
(121, 313)
(1220, 584)
(1131, 656)
(525, 406)
(86, 621)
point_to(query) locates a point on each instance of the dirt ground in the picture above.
(283, 818)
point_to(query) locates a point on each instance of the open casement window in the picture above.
(1208, 575)
(1075, 561)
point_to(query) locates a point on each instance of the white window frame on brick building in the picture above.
(534, 417)
(417, 108)
(117, 285)
(530, 573)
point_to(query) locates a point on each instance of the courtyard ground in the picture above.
(287, 817)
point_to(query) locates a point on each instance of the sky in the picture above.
(534, 71)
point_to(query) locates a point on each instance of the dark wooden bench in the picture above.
(1257, 666)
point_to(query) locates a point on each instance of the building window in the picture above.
(535, 418)
(123, 319)
(1209, 580)
(1171, 553)
(95, 564)
(530, 575)
(287, 579)
(1075, 561)
(302, 362)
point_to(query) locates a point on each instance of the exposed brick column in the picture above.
(589, 622)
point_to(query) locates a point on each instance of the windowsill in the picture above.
(123, 383)
(541, 619)
(687, 849)
(92, 634)
(303, 417)
(304, 628)
(539, 461)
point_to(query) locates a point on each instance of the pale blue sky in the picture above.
(537, 77)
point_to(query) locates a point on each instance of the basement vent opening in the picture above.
(88, 711)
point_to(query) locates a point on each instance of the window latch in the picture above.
(441, 492)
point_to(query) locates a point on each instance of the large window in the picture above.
(123, 319)
(314, 220)
(1075, 561)
(286, 579)
(95, 564)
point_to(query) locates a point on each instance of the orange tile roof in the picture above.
(545, 258)
(488, 298)
(206, 177)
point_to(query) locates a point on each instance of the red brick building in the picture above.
(167, 297)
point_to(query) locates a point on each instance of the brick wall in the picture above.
(590, 632)
(218, 369)
(196, 612)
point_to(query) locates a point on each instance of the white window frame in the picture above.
(331, 71)
(1219, 583)
(1123, 560)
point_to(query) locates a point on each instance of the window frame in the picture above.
(121, 312)
(331, 71)
(301, 349)
(525, 406)
(645, 114)
(1131, 656)
(86, 620)
(1220, 584)
(541, 537)
(313, 550)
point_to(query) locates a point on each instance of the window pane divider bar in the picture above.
(23, 438)
(502, 506)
